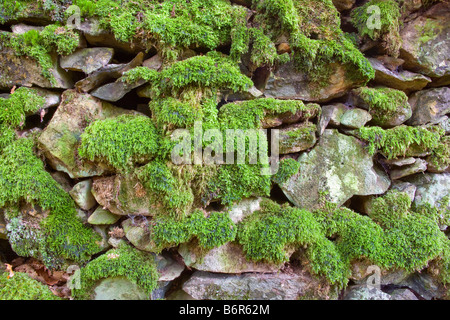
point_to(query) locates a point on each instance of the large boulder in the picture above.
(339, 167)
(61, 138)
(404, 80)
(288, 83)
(428, 106)
(25, 71)
(426, 44)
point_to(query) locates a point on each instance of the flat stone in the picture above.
(426, 44)
(25, 71)
(364, 293)
(228, 258)
(81, 194)
(60, 139)
(102, 217)
(355, 118)
(404, 80)
(331, 114)
(118, 288)
(256, 286)
(428, 106)
(107, 73)
(87, 60)
(403, 294)
(431, 187)
(338, 165)
(297, 137)
(116, 90)
(288, 83)
(419, 165)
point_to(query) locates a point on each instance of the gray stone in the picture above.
(82, 195)
(139, 236)
(228, 258)
(331, 114)
(425, 285)
(430, 105)
(365, 293)
(431, 187)
(154, 62)
(244, 208)
(109, 72)
(116, 90)
(426, 44)
(118, 288)
(297, 137)
(25, 71)
(338, 165)
(168, 268)
(406, 187)
(102, 217)
(288, 83)
(87, 60)
(256, 286)
(404, 80)
(419, 165)
(96, 36)
(355, 118)
(21, 28)
(403, 294)
(60, 139)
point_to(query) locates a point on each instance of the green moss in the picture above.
(211, 231)
(250, 114)
(193, 105)
(389, 23)
(268, 234)
(288, 167)
(401, 140)
(22, 287)
(211, 71)
(23, 178)
(175, 24)
(122, 141)
(139, 267)
(40, 45)
(236, 182)
(440, 156)
(167, 186)
(14, 108)
(383, 103)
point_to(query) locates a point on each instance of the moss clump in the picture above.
(212, 71)
(170, 25)
(387, 29)
(211, 231)
(400, 141)
(22, 287)
(288, 168)
(122, 141)
(193, 105)
(235, 182)
(14, 108)
(269, 233)
(440, 156)
(250, 114)
(41, 45)
(383, 103)
(23, 178)
(167, 186)
(139, 267)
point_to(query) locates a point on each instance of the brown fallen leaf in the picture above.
(9, 269)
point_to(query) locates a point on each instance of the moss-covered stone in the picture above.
(21, 287)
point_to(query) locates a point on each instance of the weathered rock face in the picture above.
(61, 137)
(287, 83)
(426, 44)
(25, 71)
(297, 137)
(431, 187)
(429, 106)
(228, 258)
(339, 166)
(87, 60)
(254, 286)
(404, 80)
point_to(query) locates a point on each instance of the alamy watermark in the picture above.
(373, 281)
(227, 147)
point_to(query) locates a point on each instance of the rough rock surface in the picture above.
(339, 166)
